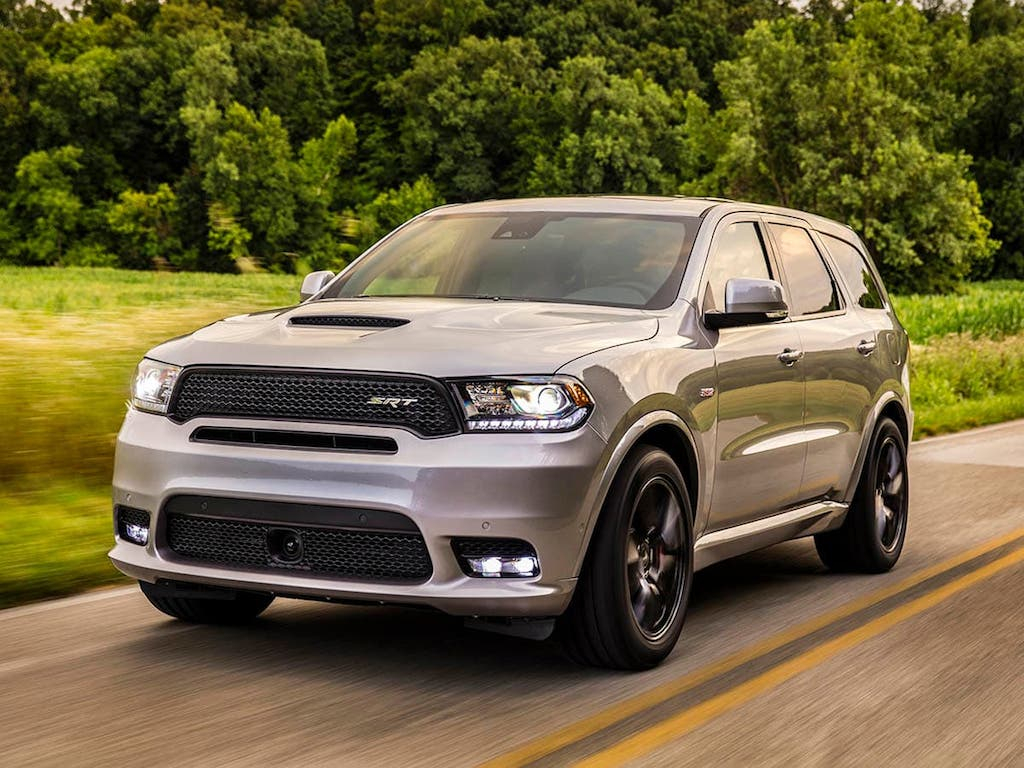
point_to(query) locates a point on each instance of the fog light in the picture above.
(503, 566)
(137, 534)
(496, 558)
(133, 525)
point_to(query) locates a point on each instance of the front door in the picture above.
(760, 394)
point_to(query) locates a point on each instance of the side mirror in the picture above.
(314, 282)
(749, 301)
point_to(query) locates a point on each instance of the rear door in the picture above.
(840, 375)
(879, 351)
(760, 398)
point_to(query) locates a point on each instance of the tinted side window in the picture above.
(810, 285)
(851, 264)
(736, 252)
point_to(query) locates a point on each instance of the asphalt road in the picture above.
(781, 663)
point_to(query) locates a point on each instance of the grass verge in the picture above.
(960, 381)
(53, 542)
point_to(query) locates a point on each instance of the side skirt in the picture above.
(808, 520)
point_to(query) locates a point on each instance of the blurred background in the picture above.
(163, 164)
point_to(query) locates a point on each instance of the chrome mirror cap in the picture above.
(749, 301)
(314, 282)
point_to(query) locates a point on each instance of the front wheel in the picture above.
(630, 602)
(222, 607)
(871, 538)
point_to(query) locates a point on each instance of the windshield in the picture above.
(609, 259)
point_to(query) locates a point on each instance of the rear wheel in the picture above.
(222, 607)
(871, 538)
(630, 602)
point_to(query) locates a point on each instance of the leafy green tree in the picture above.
(143, 227)
(324, 159)
(611, 134)
(711, 31)
(324, 188)
(16, 56)
(228, 237)
(468, 111)
(44, 203)
(388, 210)
(332, 22)
(205, 132)
(851, 129)
(991, 76)
(285, 71)
(994, 18)
(77, 102)
(401, 27)
(29, 21)
(617, 30)
(249, 173)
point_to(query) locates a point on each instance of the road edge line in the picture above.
(43, 606)
(658, 735)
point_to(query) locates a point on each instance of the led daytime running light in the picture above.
(530, 405)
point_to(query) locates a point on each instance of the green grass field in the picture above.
(70, 339)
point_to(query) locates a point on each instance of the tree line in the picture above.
(290, 134)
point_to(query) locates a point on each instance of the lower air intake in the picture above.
(336, 552)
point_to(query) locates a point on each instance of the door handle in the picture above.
(867, 346)
(788, 357)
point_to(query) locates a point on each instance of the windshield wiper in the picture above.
(482, 296)
(478, 296)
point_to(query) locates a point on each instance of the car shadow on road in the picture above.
(410, 648)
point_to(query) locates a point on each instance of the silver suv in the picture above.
(543, 415)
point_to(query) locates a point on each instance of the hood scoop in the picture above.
(347, 321)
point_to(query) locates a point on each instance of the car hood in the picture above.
(436, 337)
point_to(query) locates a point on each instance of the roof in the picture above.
(640, 205)
(621, 204)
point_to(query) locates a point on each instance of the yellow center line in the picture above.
(678, 725)
(552, 742)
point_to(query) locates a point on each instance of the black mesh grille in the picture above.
(129, 516)
(348, 321)
(364, 555)
(417, 404)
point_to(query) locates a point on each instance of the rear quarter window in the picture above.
(852, 265)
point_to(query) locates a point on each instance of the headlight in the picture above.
(152, 385)
(524, 405)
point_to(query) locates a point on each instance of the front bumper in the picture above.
(523, 486)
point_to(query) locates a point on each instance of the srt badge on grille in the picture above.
(394, 402)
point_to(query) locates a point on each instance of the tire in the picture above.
(230, 607)
(871, 538)
(631, 598)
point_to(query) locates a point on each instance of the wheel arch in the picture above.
(894, 410)
(662, 429)
(676, 443)
(891, 407)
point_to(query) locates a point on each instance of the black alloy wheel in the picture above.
(871, 537)
(655, 560)
(630, 601)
